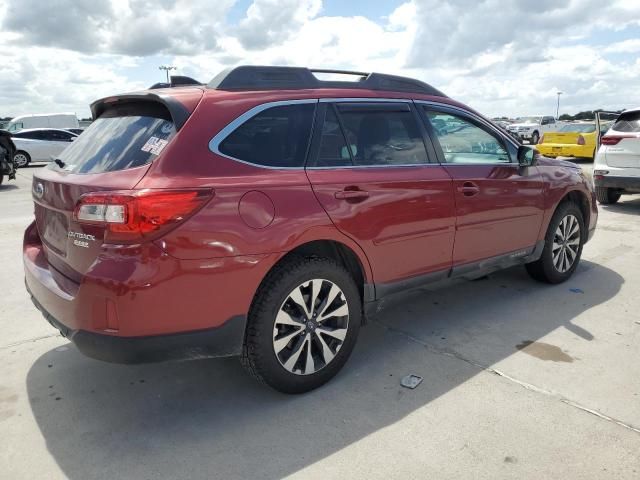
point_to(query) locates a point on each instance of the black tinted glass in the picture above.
(333, 147)
(125, 137)
(383, 137)
(628, 122)
(276, 137)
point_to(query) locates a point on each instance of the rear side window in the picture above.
(127, 136)
(276, 137)
(628, 122)
(382, 134)
(29, 135)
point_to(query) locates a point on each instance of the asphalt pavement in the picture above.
(521, 380)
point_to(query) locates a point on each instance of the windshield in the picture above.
(578, 128)
(529, 119)
(118, 140)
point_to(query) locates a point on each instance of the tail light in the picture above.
(580, 140)
(610, 140)
(135, 215)
(541, 139)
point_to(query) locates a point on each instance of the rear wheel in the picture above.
(563, 246)
(303, 324)
(607, 196)
(21, 159)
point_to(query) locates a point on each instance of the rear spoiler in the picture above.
(177, 110)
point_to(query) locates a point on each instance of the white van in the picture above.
(43, 120)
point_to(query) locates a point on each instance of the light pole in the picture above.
(558, 107)
(166, 68)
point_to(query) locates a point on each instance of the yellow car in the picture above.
(571, 140)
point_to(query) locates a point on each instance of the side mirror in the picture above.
(526, 156)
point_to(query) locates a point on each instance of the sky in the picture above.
(501, 57)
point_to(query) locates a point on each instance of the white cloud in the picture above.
(500, 58)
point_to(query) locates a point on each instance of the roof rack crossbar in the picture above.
(291, 78)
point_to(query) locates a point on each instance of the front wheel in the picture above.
(563, 246)
(303, 324)
(535, 138)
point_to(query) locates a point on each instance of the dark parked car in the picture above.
(264, 214)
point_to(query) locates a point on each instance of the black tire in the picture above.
(1, 178)
(19, 154)
(607, 196)
(535, 138)
(259, 353)
(544, 269)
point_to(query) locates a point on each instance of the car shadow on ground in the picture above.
(629, 205)
(9, 186)
(207, 418)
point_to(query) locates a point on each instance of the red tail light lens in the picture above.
(542, 139)
(610, 140)
(133, 216)
(580, 140)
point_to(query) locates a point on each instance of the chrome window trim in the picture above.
(404, 165)
(214, 143)
(479, 120)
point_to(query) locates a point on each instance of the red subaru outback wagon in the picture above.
(263, 214)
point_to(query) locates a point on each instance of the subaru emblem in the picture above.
(38, 190)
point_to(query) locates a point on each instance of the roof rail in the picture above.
(247, 77)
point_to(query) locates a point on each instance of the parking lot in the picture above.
(521, 380)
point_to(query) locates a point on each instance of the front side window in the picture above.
(276, 137)
(380, 135)
(464, 142)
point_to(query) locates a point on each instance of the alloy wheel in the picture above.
(20, 159)
(311, 326)
(566, 243)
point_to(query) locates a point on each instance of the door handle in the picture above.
(469, 189)
(352, 195)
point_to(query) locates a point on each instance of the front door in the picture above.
(499, 205)
(370, 170)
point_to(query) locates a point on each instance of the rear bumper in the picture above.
(146, 305)
(215, 342)
(565, 150)
(625, 183)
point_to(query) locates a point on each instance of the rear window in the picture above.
(276, 137)
(628, 122)
(126, 136)
(578, 128)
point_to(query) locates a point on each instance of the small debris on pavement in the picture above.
(576, 290)
(411, 381)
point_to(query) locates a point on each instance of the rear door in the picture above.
(370, 170)
(114, 153)
(34, 143)
(53, 143)
(499, 205)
